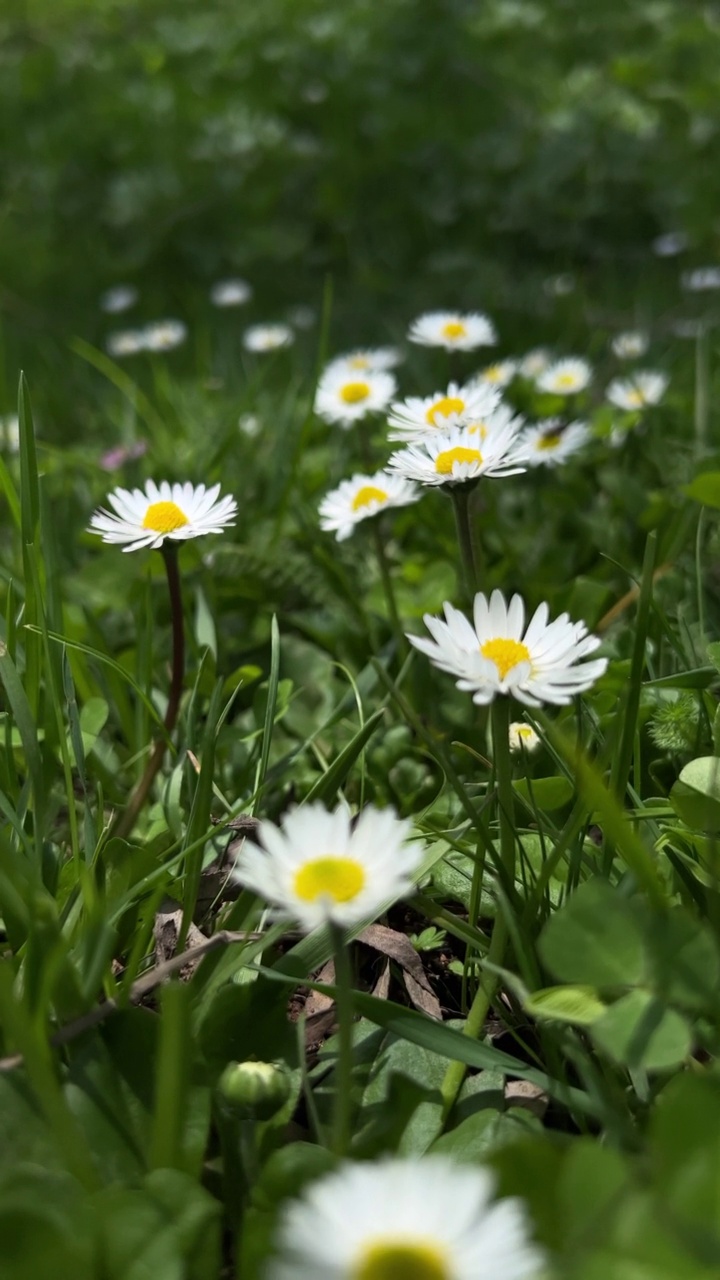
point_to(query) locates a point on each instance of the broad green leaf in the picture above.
(594, 939)
(579, 1005)
(640, 1032)
(685, 1147)
(474, 1139)
(705, 488)
(695, 796)
(545, 793)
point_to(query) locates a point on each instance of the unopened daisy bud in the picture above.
(253, 1088)
(522, 737)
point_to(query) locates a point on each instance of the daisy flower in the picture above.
(670, 244)
(302, 316)
(177, 511)
(164, 335)
(499, 374)
(551, 443)
(362, 496)
(419, 417)
(644, 388)
(537, 664)
(320, 867)
(10, 433)
(565, 377)
(559, 286)
(522, 737)
(374, 1220)
(230, 293)
(453, 330)
(534, 363)
(267, 337)
(630, 346)
(370, 360)
(120, 298)
(125, 342)
(460, 454)
(345, 397)
(701, 279)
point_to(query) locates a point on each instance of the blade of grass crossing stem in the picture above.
(76, 739)
(329, 784)
(29, 518)
(27, 728)
(8, 488)
(124, 384)
(628, 720)
(172, 1073)
(273, 682)
(200, 815)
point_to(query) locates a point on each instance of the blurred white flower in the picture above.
(643, 388)
(164, 335)
(125, 342)
(566, 377)
(559, 286)
(370, 360)
(460, 454)
(551, 442)
(267, 337)
(405, 1218)
(499, 374)
(630, 345)
(537, 664)
(178, 512)
(417, 417)
(230, 293)
(522, 737)
(302, 316)
(453, 330)
(687, 328)
(534, 363)
(120, 298)
(701, 279)
(249, 424)
(670, 244)
(362, 496)
(344, 398)
(10, 433)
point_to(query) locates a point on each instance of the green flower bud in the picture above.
(257, 1089)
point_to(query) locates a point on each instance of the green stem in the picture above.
(388, 589)
(126, 822)
(343, 1071)
(702, 382)
(460, 495)
(475, 1021)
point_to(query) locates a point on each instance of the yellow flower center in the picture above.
(339, 879)
(354, 392)
(400, 1260)
(454, 329)
(636, 398)
(524, 731)
(566, 380)
(443, 407)
(550, 441)
(359, 362)
(478, 428)
(506, 654)
(164, 517)
(494, 373)
(446, 460)
(366, 495)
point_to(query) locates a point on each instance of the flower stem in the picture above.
(127, 820)
(388, 589)
(460, 495)
(475, 1021)
(343, 1071)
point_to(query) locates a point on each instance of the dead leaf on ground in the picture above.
(398, 947)
(168, 922)
(522, 1093)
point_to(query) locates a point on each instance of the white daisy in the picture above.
(249, 424)
(566, 377)
(177, 512)
(630, 346)
(453, 330)
(460, 454)
(534, 363)
(230, 293)
(522, 737)
(644, 388)
(701, 279)
(369, 360)
(120, 298)
(164, 335)
(418, 417)
(345, 397)
(499, 374)
(319, 866)
(559, 286)
(536, 664)
(551, 443)
(362, 496)
(405, 1218)
(301, 316)
(10, 433)
(267, 337)
(125, 342)
(670, 244)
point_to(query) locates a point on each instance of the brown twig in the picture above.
(626, 601)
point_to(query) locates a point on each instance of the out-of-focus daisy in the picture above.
(9, 433)
(537, 664)
(701, 279)
(164, 335)
(125, 342)
(362, 496)
(670, 244)
(458, 455)
(319, 866)
(249, 424)
(522, 737)
(115, 458)
(686, 328)
(499, 374)
(559, 286)
(376, 1221)
(566, 377)
(230, 293)
(175, 511)
(120, 298)
(302, 316)
(534, 363)
(267, 337)
(416, 417)
(644, 388)
(551, 442)
(453, 330)
(371, 360)
(345, 397)
(630, 346)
